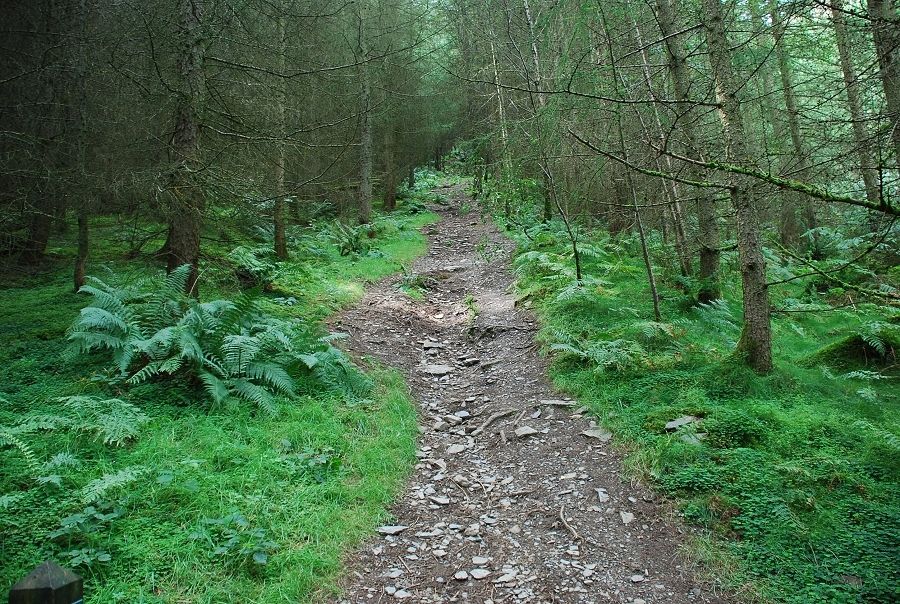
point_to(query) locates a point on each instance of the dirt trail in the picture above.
(492, 516)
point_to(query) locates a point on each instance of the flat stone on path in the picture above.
(437, 370)
(524, 431)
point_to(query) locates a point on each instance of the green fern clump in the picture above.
(350, 240)
(333, 370)
(612, 355)
(255, 266)
(229, 347)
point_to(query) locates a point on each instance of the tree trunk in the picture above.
(854, 106)
(536, 79)
(364, 201)
(42, 203)
(39, 228)
(799, 166)
(281, 159)
(188, 199)
(886, 35)
(83, 248)
(504, 133)
(669, 186)
(365, 152)
(755, 344)
(707, 220)
(390, 172)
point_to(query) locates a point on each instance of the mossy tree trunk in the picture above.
(755, 344)
(188, 202)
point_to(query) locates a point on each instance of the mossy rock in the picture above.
(853, 352)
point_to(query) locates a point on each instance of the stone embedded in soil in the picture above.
(479, 573)
(524, 431)
(480, 560)
(461, 575)
(392, 529)
(455, 449)
(638, 578)
(684, 420)
(598, 433)
(602, 495)
(437, 370)
(627, 517)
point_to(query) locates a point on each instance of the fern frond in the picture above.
(249, 391)
(97, 489)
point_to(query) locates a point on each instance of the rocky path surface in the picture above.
(517, 496)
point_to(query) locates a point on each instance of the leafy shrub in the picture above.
(616, 355)
(231, 348)
(335, 372)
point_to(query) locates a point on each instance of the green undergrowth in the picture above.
(793, 474)
(155, 495)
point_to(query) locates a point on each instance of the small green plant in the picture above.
(411, 283)
(315, 464)
(86, 557)
(233, 540)
(471, 304)
(92, 519)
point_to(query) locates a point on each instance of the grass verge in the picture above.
(204, 505)
(794, 475)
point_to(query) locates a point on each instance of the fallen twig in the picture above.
(566, 524)
(490, 420)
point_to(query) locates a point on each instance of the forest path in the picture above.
(484, 507)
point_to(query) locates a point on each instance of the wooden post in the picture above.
(49, 583)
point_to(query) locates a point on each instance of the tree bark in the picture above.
(851, 83)
(43, 203)
(799, 166)
(281, 159)
(364, 201)
(188, 198)
(886, 35)
(544, 162)
(669, 186)
(83, 249)
(755, 344)
(707, 219)
(390, 172)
